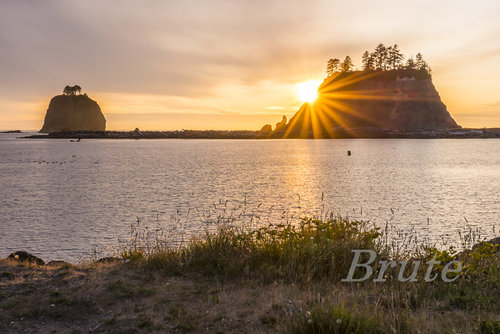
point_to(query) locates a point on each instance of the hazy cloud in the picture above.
(202, 50)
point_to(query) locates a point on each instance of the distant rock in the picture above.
(280, 126)
(11, 131)
(22, 256)
(398, 101)
(73, 113)
(266, 129)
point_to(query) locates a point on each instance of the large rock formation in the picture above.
(73, 113)
(360, 101)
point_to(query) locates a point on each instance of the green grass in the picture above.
(311, 250)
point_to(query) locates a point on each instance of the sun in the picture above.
(307, 91)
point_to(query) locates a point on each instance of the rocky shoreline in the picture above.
(247, 134)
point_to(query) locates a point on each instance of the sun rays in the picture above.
(332, 107)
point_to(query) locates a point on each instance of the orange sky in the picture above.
(230, 64)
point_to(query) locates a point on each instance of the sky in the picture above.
(225, 64)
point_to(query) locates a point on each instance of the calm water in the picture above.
(60, 199)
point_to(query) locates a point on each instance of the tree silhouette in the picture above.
(421, 64)
(332, 66)
(394, 57)
(72, 90)
(346, 65)
(367, 60)
(380, 57)
(410, 64)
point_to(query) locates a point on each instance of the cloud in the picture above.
(217, 54)
(281, 108)
(493, 104)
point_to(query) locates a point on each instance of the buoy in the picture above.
(349, 153)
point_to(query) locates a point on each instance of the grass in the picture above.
(311, 250)
(335, 320)
(283, 278)
(320, 252)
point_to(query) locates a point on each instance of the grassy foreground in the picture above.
(280, 278)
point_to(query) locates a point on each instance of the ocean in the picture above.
(64, 200)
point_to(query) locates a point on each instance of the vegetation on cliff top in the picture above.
(381, 59)
(72, 90)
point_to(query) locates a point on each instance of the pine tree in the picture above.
(394, 57)
(347, 65)
(380, 57)
(421, 64)
(410, 64)
(332, 66)
(367, 60)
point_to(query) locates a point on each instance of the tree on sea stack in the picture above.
(384, 59)
(421, 64)
(410, 64)
(347, 65)
(368, 61)
(72, 90)
(332, 66)
(380, 56)
(394, 57)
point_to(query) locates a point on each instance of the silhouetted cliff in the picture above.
(351, 102)
(73, 113)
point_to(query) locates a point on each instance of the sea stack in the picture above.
(352, 103)
(73, 111)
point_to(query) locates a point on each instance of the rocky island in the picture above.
(398, 101)
(386, 97)
(73, 111)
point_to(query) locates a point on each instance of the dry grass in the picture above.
(119, 298)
